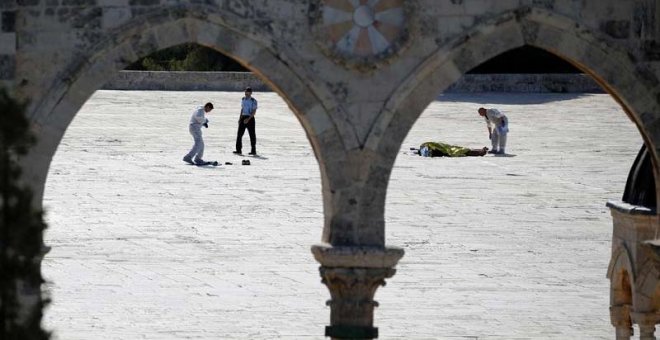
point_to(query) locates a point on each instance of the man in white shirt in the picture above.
(246, 120)
(498, 128)
(197, 120)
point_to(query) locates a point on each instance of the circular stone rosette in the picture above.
(361, 33)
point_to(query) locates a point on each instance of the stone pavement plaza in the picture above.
(147, 247)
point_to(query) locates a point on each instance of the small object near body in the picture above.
(425, 152)
(213, 163)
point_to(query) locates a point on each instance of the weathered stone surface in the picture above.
(633, 269)
(7, 67)
(366, 97)
(499, 240)
(352, 304)
(8, 20)
(364, 257)
(617, 29)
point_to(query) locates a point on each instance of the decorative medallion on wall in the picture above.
(361, 33)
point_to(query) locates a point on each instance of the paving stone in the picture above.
(147, 247)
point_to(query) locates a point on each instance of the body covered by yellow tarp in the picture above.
(440, 149)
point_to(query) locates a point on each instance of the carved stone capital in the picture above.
(352, 302)
(352, 275)
(362, 257)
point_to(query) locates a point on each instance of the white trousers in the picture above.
(498, 141)
(197, 150)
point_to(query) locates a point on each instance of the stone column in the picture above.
(353, 274)
(620, 318)
(635, 227)
(646, 323)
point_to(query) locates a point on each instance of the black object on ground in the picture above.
(214, 163)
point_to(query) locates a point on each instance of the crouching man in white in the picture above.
(498, 128)
(198, 119)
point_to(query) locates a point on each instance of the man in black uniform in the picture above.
(246, 120)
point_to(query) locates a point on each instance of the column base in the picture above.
(351, 332)
(620, 318)
(646, 323)
(623, 333)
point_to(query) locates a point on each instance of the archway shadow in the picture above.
(480, 98)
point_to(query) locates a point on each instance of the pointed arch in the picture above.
(609, 65)
(161, 29)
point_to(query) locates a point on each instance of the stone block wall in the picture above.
(7, 43)
(526, 83)
(186, 81)
(237, 81)
(356, 94)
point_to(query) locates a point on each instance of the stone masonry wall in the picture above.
(526, 83)
(356, 95)
(7, 43)
(186, 81)
(356, 92)
(237, 81)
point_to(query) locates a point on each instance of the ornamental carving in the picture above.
(361, 33)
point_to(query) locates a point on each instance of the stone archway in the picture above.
(354, 259)
(611, 67)
(52, 114)
(86, 47)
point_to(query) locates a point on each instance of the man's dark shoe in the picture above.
(254, 153)
(493, 151)
(188, 160)
(237, 152)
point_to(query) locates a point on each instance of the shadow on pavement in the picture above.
(256, 156)
(488, 98)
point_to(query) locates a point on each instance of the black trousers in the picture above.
(241, 130)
